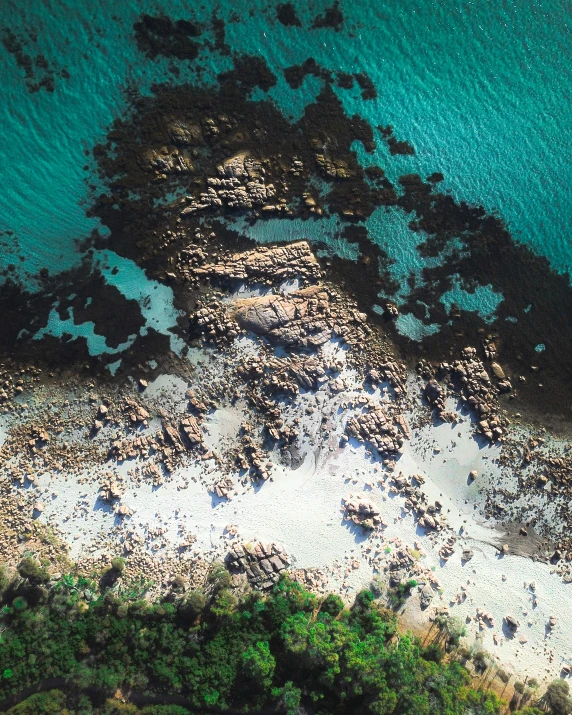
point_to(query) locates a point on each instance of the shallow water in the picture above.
(480, 90)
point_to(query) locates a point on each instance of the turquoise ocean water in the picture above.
(481, 90)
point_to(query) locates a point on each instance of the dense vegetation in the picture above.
(289, 650)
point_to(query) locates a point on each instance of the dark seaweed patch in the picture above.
(332, 17)
(344, 80)
(366, 85)
(162, 36)
(219, 31)
(23, 314)
(296, 74)
(39, 73)
(287, 15)
(250, 72)
(395, 147)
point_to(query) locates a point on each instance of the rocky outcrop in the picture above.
(172, 435)
(284, 376)
(435, 395)
(110, 490)
(390, 372)
(135, 412)
(211, 322)
(361, 511)
(164, 162)
(192, 430)
(239, 183)
(222, 487)
(266, 264)
(511, 622)
(428, 515)
(251, 457)
(379, 428)
(262, 563)
(469, 378)
(298, 319)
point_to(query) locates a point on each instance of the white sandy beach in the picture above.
(301, 509)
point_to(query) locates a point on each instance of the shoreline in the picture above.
(174, 498)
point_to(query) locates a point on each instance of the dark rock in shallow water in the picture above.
(287, 15)
(159, 35)
(332, 17)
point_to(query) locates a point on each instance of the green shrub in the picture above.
(219, 577)
(118, 565)
(557, 697)
(32, 571)
(19, 603)
(284, 649)
(52, 701)
(192, 605)
(5, 580)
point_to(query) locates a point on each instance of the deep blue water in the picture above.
(481, 90)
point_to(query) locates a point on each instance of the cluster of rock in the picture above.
(314, 579)
(200, 405)
(378, 427)
(101, 417)
(173, 440)
(188, 428)
(192, 430)
(269, 265)
(251, 457)
(447, 549)
(511, 622)
(484, 619)
(135, 412)
(284, 376)
(429, 520)
(425, 597)
(361, 511)
(222, 487)
(139, 446)
(399, 565)
(167, 161)
(110, 490)
(469, 377)
(39, 437)
(262, 563)
(332, 168)
(52, 442)
(390, 372)
(13, 382)
(428, 515)
(435, 395)
(211, 322)
(239, 183)
(185, 134)
(301, 319)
